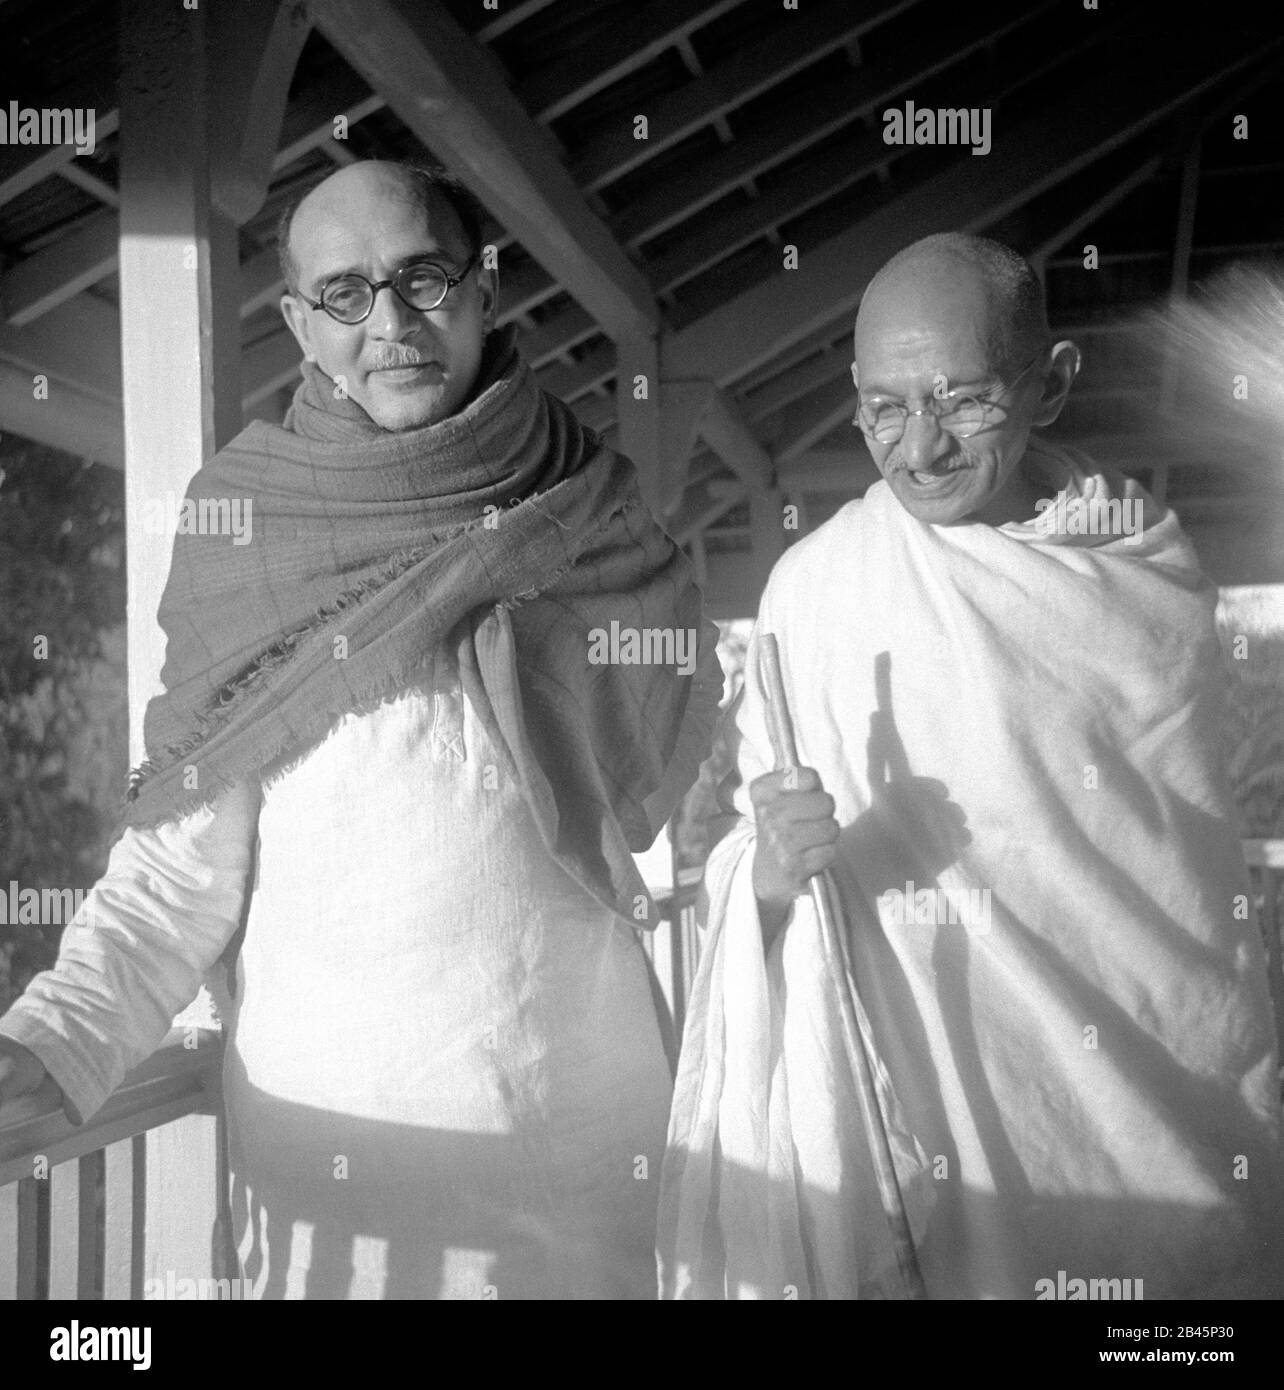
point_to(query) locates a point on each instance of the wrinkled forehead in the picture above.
(337, 229)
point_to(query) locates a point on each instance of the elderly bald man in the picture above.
(385, 751)
(1004, 679)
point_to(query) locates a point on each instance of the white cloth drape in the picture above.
(1068, 994)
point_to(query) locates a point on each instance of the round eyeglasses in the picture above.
(421, 285)
(959, 415)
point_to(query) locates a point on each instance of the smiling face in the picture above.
(928, 325)
(405, 368)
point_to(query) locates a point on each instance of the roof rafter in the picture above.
(614, 49)
(24, 166)
(812, 185)
(802, 40)
(452, 97)
(89, 252)
(752, 328)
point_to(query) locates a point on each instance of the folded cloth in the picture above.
(1050, 921)
(509, 531)
(768, 1189)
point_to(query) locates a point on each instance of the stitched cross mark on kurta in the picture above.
(448, 712)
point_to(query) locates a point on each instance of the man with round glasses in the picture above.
(386, 294)
(1010, 747)
(388, 779)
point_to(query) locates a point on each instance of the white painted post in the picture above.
(180, 349)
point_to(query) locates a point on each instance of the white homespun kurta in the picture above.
(1080, 1045)
(444, 1073)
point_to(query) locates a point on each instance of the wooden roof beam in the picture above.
(798, 42)
(615, 48)
(267, 366)
(723, 429)
(814, 418)
(255, 48)
(702, 506)
(523, 290)
(24, 166)
(89, 183)
(553, 338)
(67, 419)
(451, 96)
(591, 372)
(1134, 179)
(808, 186)
(309, 123)
(830, 108)
(512, 16)
(820, 339)
(84, 256)
(77, 343)
(970, 194)
(798, 381)
(89, 252)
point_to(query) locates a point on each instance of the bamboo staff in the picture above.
(785, 752)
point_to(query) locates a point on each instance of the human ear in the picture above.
(298, 320)
(1056, 382)
(488, 288)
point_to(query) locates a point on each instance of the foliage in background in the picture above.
(63, 719)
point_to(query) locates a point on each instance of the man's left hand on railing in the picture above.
(22, 1073)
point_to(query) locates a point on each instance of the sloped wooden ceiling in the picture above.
(764, 135)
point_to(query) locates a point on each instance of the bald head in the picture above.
(433, 193)
(954, 274)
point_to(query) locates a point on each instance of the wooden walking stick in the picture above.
(785, 752)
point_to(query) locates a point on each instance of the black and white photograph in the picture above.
(642, 658)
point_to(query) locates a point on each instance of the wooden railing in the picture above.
(98, 1211)
(1265, 860)
(81, 1215)
(674, 949)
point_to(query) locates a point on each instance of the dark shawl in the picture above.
(509, 532)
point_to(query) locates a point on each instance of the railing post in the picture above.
(125, 1200)
(181, 1204)
(73, 1227)
(19, 1236)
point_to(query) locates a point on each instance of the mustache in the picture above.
(896, 464)
(391, 357)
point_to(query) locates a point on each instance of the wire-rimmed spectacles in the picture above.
(421, 285)
(959, 415)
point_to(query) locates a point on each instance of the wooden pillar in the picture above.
(179, 303)
(682, 408)
(180, 351)
(637, 408)
(766, 532)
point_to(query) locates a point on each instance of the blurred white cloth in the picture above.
(444, 1074)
